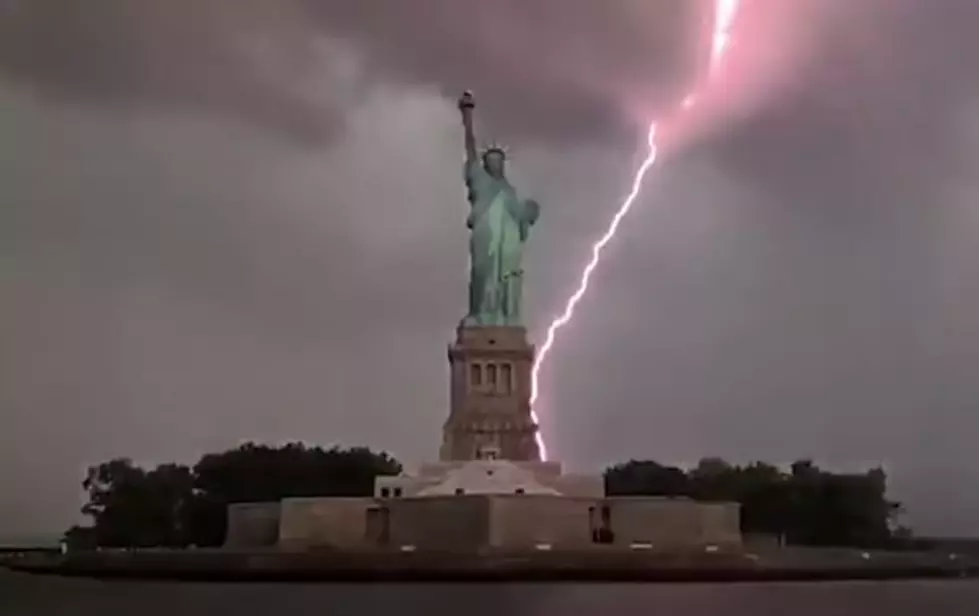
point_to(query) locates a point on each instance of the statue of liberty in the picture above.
(500, 224)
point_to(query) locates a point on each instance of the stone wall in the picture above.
(540, 469)
(440, 523)
(468, 522)
(721, 523)
(323, 522)
(577, 485)
(529, 520)
(547, 474)
(402, 486)
(252, 525)
(673, 522)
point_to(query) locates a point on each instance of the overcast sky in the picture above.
(242, 219)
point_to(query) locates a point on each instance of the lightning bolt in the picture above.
(724, 14)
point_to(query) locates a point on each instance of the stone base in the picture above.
(494, 338)
(490, 477)
(490, 396)
(475, 522)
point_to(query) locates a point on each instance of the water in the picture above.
(22, 595)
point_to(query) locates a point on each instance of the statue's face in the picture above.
(494, 162)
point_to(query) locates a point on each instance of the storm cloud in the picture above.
(228, 220)
(563, 67)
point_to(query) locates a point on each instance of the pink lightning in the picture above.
(724, 14)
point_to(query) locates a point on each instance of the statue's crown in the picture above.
(496, 148)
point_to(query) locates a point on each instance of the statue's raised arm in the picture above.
(499, 222)
(466, 105)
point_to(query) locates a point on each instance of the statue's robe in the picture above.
(500, 223)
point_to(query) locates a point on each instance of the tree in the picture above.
(258, 473)
(80, 538)
(646, 477)
(173, 505)
(805, 505)
(714, 479)
(765, 499)
(133, 507)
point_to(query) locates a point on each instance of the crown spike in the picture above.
(495, 146)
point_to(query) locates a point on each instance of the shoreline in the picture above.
(795, 565)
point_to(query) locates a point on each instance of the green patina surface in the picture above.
(500, 222)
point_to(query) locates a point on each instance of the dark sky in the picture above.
(243, 219)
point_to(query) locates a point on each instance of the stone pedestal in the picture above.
(490, 396)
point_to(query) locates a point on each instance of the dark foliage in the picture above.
(805, 506)
(175, 506)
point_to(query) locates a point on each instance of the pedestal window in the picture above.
(475, 375)
(505, 386)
